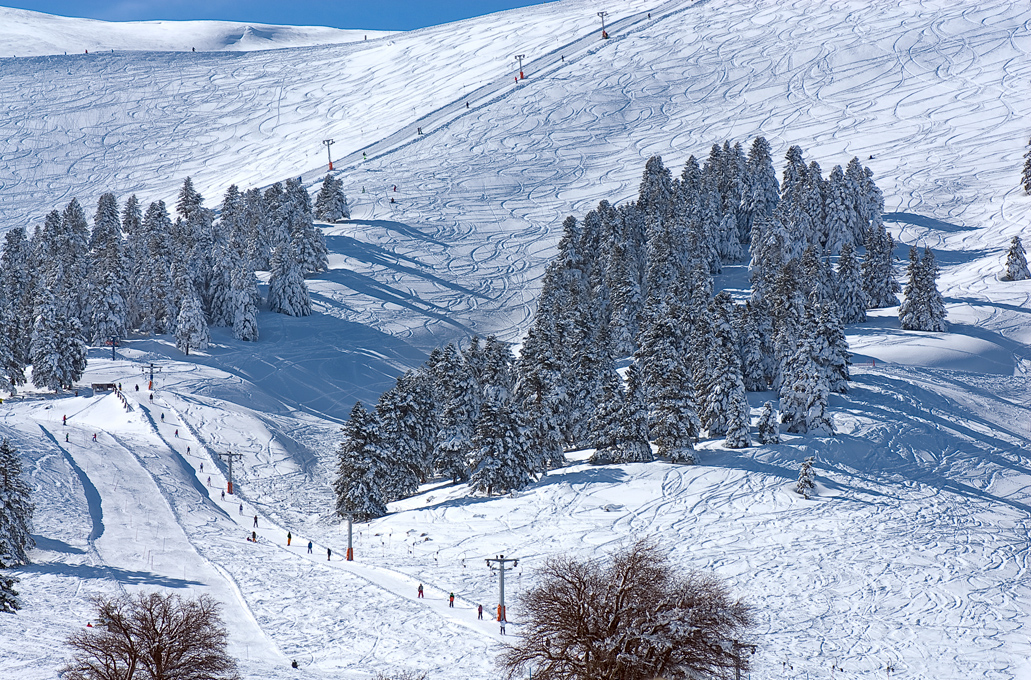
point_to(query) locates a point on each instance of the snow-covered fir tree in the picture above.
(256, 231)
(769, 430)
(849, 288)
(922, 307)
(806, 484)
(408, 426)
(861, 212)
(605, 421)
(58, 350)
(1025, 177)
(70, 265)
(287, 291)
(762, 190)
(194, 239)
(755, 339)
(245, 304)
(840, 207)
(631, 435)
(153, 273)
(502, 459)
(331, 203)
(16, 297)
(804, 386)
(360, 468)
(16, 509)
(879, 282)
(107, 304)
(459, 412)
(308, 241)
(541, 391)
(1016, 262)
(191, 328)
(666, 371)
(9, 602)
(832, 353)
(724, 394)
(738, 422)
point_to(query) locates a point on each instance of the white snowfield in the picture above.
(24, 33)
(914, 556)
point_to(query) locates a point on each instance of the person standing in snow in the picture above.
(254, 537)
(223, 494)
(479, 612)
(255, 521)
(329, 554)
(64, 420)
(94, 436)
(502, 626)
(451, 600)
(65, 437)
(309, 547)
(177, 432)
(420, 590)
(288, 537)
(201, 465)
(241, 508)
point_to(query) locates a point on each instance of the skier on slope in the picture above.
(451, 600)
(309, 547)
(420, 590)
(479, 611)
(329, 554)
(288, 537)
(255, 521)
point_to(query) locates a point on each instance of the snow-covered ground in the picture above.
(33, 34)
(915, 554)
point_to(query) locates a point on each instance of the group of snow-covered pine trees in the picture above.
(138, 271)
(634, 283)
(15, 523)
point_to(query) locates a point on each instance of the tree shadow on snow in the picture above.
(396, 227)
(124, 576)
(924, 221)
(372, 254)
(54, 545)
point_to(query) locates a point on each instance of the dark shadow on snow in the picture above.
(396, 227)
(105, 572)
(924, 221)
(372, 254)
(54, 545)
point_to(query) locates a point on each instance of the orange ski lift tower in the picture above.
(519, 58)
(329, 143)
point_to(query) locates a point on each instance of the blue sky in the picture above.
(372, 14)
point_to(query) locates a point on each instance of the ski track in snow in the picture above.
(915, 553)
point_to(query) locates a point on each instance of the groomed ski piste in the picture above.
(914, 555)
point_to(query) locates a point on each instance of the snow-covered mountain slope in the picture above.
(916, 552)
(32, 34)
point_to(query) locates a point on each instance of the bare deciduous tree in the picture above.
(152, 637)
(635, 618)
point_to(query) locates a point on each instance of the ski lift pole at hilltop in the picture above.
(519, 58)
(329, 143)
(501, 560)
(604, 33)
